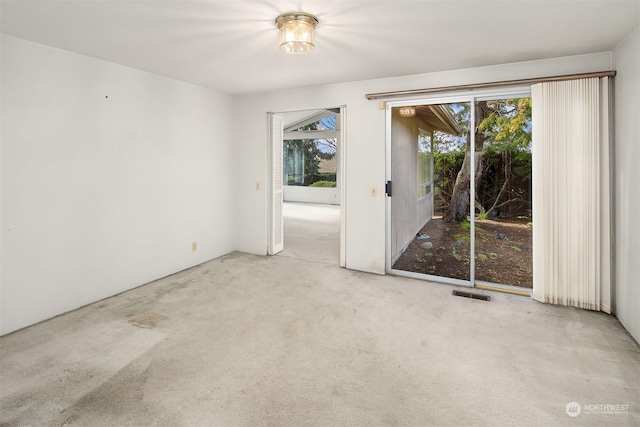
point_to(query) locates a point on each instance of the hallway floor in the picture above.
(312, 232)
(277, 341)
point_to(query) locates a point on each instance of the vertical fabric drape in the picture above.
(571, 194)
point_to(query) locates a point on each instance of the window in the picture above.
(293, 162)
(312, 162)
(425, 169)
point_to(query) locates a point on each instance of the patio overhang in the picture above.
(439, 118)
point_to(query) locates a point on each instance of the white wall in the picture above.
(323, 195)
(108, 175)
(364, 147)
(626, 60)
(404, 178)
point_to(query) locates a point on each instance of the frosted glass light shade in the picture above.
(297, 32)
(407, 111)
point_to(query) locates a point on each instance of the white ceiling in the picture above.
(232, 45)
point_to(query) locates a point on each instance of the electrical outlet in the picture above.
(257, 185)
(374, 191)
(194, 246)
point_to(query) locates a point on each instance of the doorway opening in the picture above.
(307, 182)
(461, 206)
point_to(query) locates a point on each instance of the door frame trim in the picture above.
(340, 173)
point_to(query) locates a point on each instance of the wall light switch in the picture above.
(374, 191)
(194, 246)
(381, 105)
(257, 185)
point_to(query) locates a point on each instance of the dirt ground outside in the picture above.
(503, 251)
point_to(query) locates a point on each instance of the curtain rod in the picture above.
(379, 95)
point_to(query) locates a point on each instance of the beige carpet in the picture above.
(312, 232)
(275, 341)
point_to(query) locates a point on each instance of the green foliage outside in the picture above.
(310, 179)
(330, 184)
(508, 125)
(504, 186)
(447, 166)
(314, 151)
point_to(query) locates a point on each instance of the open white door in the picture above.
(276, 235)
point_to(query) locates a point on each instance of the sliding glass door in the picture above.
(460, 205)
(503, 203)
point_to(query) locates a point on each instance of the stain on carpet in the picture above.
(147, 320)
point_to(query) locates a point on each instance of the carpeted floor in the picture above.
(277, 341)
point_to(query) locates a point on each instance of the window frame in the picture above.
(427, 186)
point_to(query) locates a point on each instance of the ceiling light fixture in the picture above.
(407, 111)
(297, 32)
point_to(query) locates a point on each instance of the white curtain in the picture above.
(571, 194)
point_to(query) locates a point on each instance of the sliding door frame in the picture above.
(447, 98)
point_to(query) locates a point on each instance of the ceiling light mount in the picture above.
(409, 111)
(297, 32)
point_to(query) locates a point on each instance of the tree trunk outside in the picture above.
(459, 206)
